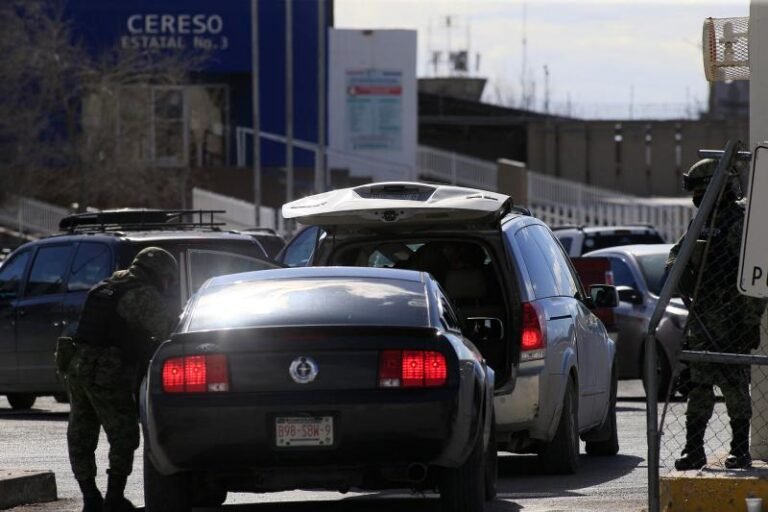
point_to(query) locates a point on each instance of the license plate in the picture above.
(300, 431)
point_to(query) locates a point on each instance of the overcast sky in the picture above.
(604, 57)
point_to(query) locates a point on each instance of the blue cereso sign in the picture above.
(156, 31)
(221, 29)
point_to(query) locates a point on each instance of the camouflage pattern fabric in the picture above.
(720, 319)
(100, 394)
(101, 385)
(711, 283)
(146, 308)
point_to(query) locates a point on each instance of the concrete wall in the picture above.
(645, 158)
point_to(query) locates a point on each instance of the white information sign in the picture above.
(374, 109)
(753, 263)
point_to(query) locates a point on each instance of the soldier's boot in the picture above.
(92, 500)
(115, 500)
(739, 457)
(693, 456)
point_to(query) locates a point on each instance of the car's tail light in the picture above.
(196, 374)
(412, 369)
(532, 341)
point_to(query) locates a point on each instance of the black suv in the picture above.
(43, 284)
(270, 240)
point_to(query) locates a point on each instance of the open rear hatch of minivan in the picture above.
(423, 227)
(397, 202)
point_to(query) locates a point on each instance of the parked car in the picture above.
(597, 271)
(638, 273)
(44, 283)
(578, 240)
(554, 362)
(332, 378)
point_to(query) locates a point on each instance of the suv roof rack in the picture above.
(140, 219)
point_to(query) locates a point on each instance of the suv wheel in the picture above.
(164, 493)
(561, 455)
(608, 433)
(462, 489)
(21, 401)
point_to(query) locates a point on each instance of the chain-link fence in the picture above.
(709, 411)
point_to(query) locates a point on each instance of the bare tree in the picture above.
(73, 126)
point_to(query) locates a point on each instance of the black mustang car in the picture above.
(331, 378)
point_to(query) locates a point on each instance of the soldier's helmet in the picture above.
(699, 175)
(157, 261)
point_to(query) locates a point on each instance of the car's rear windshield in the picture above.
(595, 242)
(311, 301)
(653, 268)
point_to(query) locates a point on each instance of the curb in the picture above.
(712, 490)
(19, 487)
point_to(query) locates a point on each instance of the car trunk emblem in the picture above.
(303, 370)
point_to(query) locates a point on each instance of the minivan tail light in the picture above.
(412, 369)
(532, 340)
(196, 374)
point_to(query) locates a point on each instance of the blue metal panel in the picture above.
(223, 29)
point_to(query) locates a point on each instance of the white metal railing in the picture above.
(431, 163)
(449, 167)
(359, 165)
(554, 200)
(559, 202)
(238, 214)
(376, 168)
(27, 215)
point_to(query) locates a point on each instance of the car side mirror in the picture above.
(484, 329)
(603, 296)
(629, 294)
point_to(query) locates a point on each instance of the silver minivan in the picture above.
(514, 287)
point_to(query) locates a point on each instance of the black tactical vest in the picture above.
(101, 326)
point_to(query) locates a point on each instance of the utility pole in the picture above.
(546, 89)
(256, 118)
(289, 100)
(523, 79)
(321, 180)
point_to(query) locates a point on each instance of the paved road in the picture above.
(36, 440)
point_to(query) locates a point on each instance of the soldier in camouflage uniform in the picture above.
(720, 320)
(122, 318)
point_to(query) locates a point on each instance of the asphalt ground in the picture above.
(37, 440)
